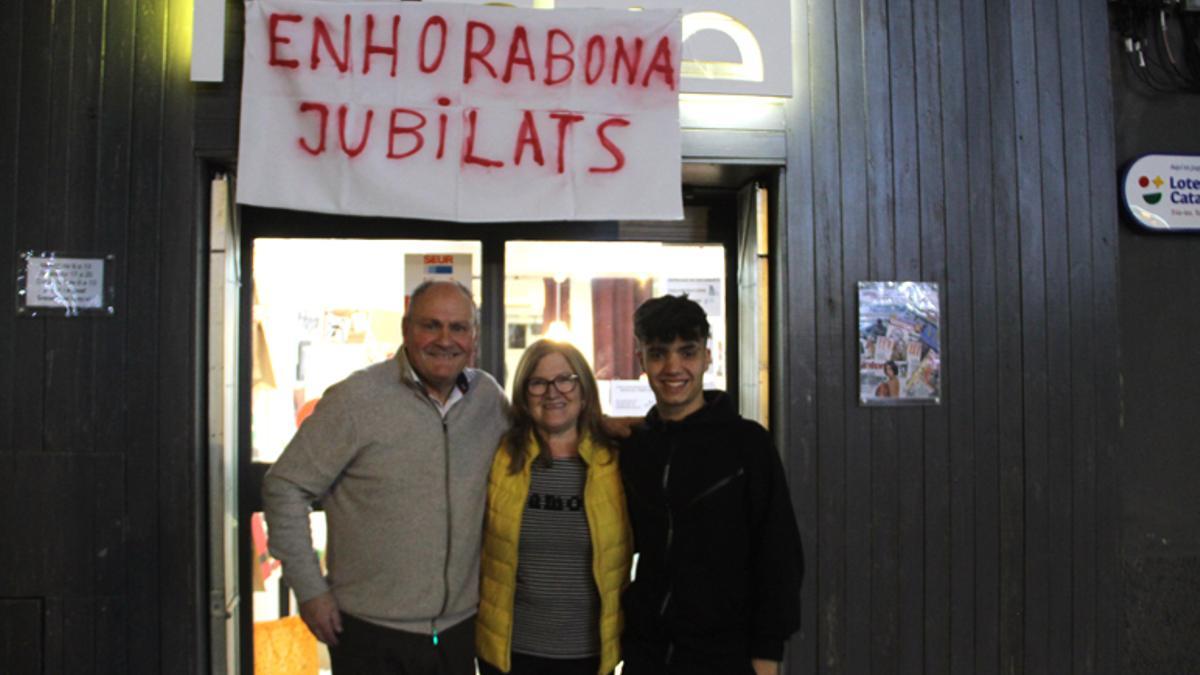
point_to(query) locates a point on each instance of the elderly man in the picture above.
(398, 455)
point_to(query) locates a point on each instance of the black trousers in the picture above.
(635, 666)
(367, 649)
(527, 664)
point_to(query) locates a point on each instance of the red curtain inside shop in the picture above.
(613, 303)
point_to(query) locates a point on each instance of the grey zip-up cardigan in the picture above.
(403, 491)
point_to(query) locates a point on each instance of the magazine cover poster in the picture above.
(899, 349)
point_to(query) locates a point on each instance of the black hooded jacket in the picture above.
(719, 558)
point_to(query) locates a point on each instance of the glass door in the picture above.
(585, 293)
(321, 309)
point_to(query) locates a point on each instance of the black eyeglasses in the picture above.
(565, 384)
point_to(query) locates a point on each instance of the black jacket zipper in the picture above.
(716, 486)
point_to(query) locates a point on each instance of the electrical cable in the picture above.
(1162, 43)
(1180, 70)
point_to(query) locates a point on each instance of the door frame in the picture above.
(256, 222)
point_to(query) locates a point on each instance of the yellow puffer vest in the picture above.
(612, 549)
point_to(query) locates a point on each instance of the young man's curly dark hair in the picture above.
(665, 318)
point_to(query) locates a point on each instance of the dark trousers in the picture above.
(635, 666)
(367, 649)
(526, 664)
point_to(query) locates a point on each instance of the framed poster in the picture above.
(899, 343)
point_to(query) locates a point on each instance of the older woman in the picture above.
(557, 545)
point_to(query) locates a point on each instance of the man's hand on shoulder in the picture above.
(765, 667)
(620, 427)
(322, 617)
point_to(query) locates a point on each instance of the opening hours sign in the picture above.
(460, 112)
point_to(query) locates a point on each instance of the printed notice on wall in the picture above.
(62, 284)
(461, 112)
(630, 398)
(705, 292)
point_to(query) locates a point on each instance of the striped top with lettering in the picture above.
(556, 611)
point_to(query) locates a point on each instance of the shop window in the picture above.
(324, 308)
(586, 292)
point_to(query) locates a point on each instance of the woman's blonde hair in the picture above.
(517, 439)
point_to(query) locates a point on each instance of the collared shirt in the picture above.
(461, 385)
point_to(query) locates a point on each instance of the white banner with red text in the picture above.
(460, 112)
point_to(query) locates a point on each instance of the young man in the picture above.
(717, 585)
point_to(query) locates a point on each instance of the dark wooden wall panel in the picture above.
(828, 572)
(10, 79)
(905, 498)
(1006, 227)
(984, 360)
(98, 415)
(960, 474)
(1081, 432)
(110, 355)
(1032, 462)
(63, 527)
(21, 629)
(183, 315)
(75, 81)
(142, 341)
(64, 523)
(962, 143)
(856, 494)
(33, 126)
(797, 232)
(935, 458)
(85, 636)
(1056, 557)
(1106, 358)
(881, 610)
